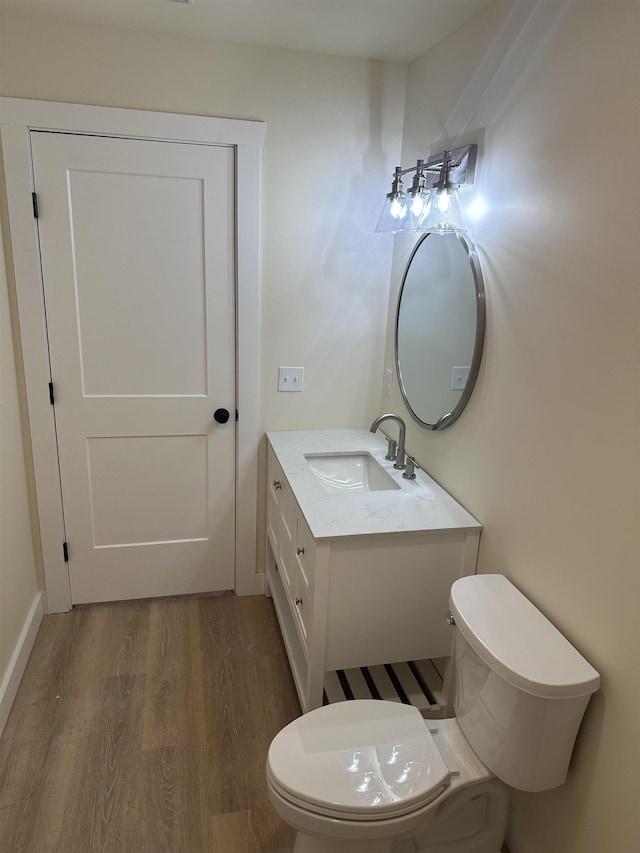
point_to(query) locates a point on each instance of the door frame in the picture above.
(18, 118)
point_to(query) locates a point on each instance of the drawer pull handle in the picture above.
(300, 551)
(277, 484)
(298, 600)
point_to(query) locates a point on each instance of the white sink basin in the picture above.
(349, 472)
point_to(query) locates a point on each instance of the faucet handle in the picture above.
(392, 449)
(410, 473)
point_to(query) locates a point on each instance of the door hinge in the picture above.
(65, 552)
(51, 397)
(34, 200)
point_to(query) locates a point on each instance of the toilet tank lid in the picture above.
(516, 640)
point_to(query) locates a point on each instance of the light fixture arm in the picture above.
(445, 180)
(396, 183)
(419, 179)
(462, 164)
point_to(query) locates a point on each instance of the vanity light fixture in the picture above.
(432, 203)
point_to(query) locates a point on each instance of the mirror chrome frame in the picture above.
(450, 417)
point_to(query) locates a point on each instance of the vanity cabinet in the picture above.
(349, 589)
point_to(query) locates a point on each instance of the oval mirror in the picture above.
(439, 328)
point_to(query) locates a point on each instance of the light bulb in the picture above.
(443, 215)
(398, 208)
(417, 205)
(443, 201)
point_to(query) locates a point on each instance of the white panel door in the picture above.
(137, 248)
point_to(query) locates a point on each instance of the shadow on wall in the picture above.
(518, 45)
(355, 263)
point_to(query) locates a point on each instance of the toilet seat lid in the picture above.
(364, 759)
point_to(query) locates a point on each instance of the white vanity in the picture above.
(359, 567)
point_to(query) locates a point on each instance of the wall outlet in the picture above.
(290, 378)
(459, 376)
(388, 379)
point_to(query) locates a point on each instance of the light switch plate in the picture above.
(290, 378)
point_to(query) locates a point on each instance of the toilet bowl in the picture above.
(369, 776)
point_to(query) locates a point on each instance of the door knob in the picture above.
(221, 415)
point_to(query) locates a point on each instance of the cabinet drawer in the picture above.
(287, 562)
(275, 478)
(274, 523)
(305, 574)
(280, 522)
(303, 609)
(305, 550)
(273, 527)
(287, 510)
(280, 493)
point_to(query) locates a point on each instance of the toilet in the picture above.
(369, 776)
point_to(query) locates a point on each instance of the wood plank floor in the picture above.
(145, 727)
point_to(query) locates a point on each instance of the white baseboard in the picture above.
(18, 662)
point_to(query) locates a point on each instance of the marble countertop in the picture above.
(419, 506)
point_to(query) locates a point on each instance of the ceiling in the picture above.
(392, 30)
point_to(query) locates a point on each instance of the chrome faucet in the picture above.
(400, 453)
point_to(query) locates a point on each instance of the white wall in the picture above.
(547, 453)
(17, 565)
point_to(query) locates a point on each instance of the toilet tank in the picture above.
(521, 688)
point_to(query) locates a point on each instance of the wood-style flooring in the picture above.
(144, 727)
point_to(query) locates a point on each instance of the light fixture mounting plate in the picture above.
(463, 159)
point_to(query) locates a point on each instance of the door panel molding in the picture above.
(19, 118)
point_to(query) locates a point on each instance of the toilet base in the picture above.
(471, 821)
(310, 844)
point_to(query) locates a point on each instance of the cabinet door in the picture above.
(304, 580)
